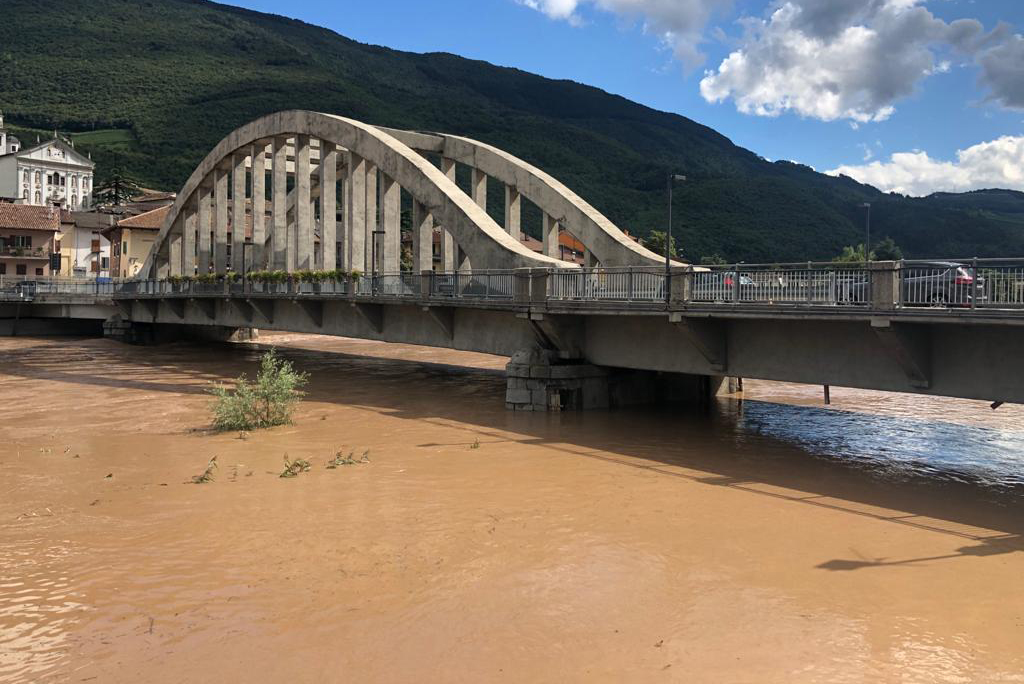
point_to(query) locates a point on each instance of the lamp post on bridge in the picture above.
(373, 259)
(867, 231)
(672, 178)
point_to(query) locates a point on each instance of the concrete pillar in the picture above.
(328, 204)
(220, 220)
(205, 227)
(550, 237)
(513, 212)
(478, 188)
(238, 211)
(449, 250)
(257, 259)
(174, 249)
(422, 238)
(391, 223)
(188, 257)
(372, 241)
(279, 209)
(355, 213)
(303, 213)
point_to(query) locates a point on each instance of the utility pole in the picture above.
(672, 178)
(867, 230)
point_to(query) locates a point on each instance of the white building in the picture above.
(48, 174)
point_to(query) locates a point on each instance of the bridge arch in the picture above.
(291, 145)
(605, 242)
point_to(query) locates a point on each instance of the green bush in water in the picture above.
(267, 402)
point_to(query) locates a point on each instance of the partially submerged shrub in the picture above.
(267, 402)
(207, 475)
(293, 468)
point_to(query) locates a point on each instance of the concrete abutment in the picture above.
(538, 380)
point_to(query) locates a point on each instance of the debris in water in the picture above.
(207, 475)
(293, 468)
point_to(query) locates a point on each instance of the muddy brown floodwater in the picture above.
(766, 540)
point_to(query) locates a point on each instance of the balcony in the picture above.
(24, 253)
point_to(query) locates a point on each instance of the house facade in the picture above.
(28, 239)
(132, 239)
(48, 174)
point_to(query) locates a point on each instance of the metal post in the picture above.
(867, 229)
(736, 284)
(974, 283)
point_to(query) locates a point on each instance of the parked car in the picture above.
(934, 283)
(714, 286)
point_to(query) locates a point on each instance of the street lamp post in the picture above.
(373, 259)
(867, 230)
(672, 178)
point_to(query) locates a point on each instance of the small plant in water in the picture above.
(267, 402)
(293, 468)
(340, 460)
(207, 475)
(475, 444)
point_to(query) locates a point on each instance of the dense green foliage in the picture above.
(267, 402)
(153, 85)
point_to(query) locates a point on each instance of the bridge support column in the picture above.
(259, 205)
(355, 212)
(303, 213)
(536, 380)
(513, 212)
(550, 236)
(220, 220)
(279, 208)
(390, 248)
(449, 250)
(205, 227)
(371, 216)
(238, 211)
(422, 238)
(328, 205)
(188, 263)
(479, 188)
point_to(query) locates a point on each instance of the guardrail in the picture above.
(956, 284)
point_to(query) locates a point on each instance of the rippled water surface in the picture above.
(768, 539)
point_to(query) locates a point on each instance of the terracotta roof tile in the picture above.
(151, 220)
(27, 217)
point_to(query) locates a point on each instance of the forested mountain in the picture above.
(153, 85)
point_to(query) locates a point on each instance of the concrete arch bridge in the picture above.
(322, 192)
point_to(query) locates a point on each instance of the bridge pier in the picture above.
(537, 380)
(139, 332)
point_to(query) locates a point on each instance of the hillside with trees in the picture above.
(150, 86)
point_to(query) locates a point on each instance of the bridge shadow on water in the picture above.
(936, 476)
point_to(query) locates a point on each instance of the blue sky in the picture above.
(836, 84)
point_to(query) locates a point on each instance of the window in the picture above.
(104, 263)
(3, 269)
(56, 245)
(39, 271)
(24, 241)
(20, 270)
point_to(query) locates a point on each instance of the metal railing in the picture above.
(783, 284)
(639, 284)
(955, 285)
(474, 284)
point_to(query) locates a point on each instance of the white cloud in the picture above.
(842, 59)
(679, 23)
(995, 164)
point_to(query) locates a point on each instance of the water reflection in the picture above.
(894, 447)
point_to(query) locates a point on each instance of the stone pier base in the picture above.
(537, 380)
(134, 332)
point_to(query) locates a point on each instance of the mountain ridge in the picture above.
(181, 74)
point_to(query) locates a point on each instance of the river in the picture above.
(768, 539)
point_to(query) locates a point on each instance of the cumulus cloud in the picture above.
(679, 23)
(994, 164)
(1002, 70)
(834, 59)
